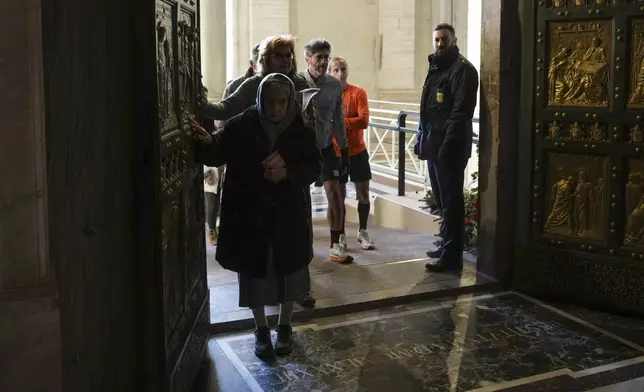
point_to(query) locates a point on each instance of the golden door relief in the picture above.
(636, 134)
(634, 204)
(578, 71)
(576, 199)
(636, 99)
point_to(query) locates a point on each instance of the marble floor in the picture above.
(392, 273)
(492, 342)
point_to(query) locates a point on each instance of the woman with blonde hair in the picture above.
(276, 55)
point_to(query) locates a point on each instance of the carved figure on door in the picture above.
(161, 71)
(164, 73)
(635, 227)
(558, 79)
(561, 210)
(187, 62)
(634, 191)
(636, 134)
(637, 79)
(554, 130)
(596, 133)
(576, 133)
(583, 203)
(598, 211)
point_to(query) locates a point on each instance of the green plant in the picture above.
(471, 213)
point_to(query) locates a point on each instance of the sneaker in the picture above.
(338, 254)
(284, 342)
(263, 344)
(364, 240)
(343, 241)
(212, 236)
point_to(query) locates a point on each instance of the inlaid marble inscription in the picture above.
(467, 346)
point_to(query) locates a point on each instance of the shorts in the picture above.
(331, 164)
(359, 168)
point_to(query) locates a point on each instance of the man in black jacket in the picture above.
(445, 139)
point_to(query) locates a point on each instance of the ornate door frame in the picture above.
(582, 152)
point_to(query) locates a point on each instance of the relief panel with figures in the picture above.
(636, 98)
(634, 204)
(577, 131)
(578, 66)
(575, 197)
(187, 60)
(166, 65)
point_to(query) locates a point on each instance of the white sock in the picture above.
(286, 313)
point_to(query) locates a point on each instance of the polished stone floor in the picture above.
(494, 342)
(393, 271)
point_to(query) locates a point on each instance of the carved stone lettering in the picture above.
(578, 69)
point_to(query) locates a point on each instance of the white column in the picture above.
(213, 46)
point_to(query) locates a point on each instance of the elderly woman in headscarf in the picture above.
(265, 230)
(276, 55)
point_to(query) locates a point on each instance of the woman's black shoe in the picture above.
(284, 342)
(263, 344)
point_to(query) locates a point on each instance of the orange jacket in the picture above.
(356, 119)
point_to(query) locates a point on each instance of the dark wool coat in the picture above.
(255, 211)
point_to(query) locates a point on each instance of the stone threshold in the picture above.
(453, 285)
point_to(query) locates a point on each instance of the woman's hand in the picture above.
(202, 135)
(207, 178)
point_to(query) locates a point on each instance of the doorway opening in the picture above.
(400, 223)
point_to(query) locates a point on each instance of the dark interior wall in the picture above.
(89, 87)
(29, 315)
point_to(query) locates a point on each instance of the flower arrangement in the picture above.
(472, 213)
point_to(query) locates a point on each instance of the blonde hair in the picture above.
(267, 47)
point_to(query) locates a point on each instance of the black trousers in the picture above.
(450, 177)
(436, 190)
(212, 209)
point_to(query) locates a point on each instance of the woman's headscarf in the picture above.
(282, 82)
(298, 102)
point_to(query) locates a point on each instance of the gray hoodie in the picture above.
(329, 110)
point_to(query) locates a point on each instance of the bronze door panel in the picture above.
(581, 64)
(181, 285)
(578, 63)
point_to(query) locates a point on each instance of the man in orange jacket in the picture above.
(356, 120)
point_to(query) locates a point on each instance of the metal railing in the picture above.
(390, 140)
